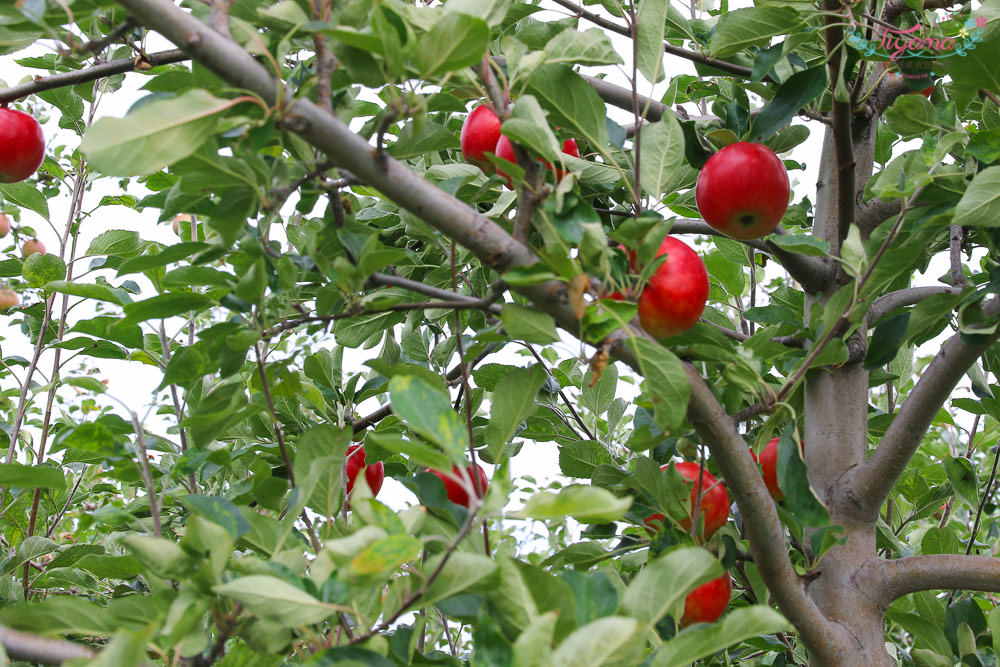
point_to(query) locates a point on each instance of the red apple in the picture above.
(676, 294)
(714, 505)
(768, 461)
(176, 224)
(4, 225)
(22, 145)
(374, 473)
(32, 246)
(455, 486)
(506, 152)
(8, 299)
(743, 190)
(706, 603)
(480, 133)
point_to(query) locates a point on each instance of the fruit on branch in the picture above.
(714, 505)
(374, 473)
(480, 134)
(22, 145)
(504, 150)
(743, 190)
(676, 294)
(768, 461)
(4, 225)
(454, 483)
(176, 224)
(706, 603)
(31, 246)
(8, 299)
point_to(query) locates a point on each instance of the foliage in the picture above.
(208, 524)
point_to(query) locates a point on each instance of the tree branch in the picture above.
(840, 116)
(44, 650)
(895, 578)
(760, 520)
(872, 213)
(867, 486)
(900, 298)
(894, 8)
(101, 71)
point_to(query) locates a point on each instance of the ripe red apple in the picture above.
(506, 152)
(676, 294)
(714, 506)
(8, 299)
(374, 473)
(480, 133)
(4, 225)
(454, 485)
(32, 246)
(743, 190)
(706, 603)
(22, 145)
(768, 461)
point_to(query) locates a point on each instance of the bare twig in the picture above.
(43, 650)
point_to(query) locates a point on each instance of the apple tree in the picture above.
(347, 297)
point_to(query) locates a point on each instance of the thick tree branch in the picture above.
(872, 213)
(901, 298)
(895, 578)
(894, 8)
(867, 486)
(101, 71)
(43, 650)
(812, 273)
(622, 98)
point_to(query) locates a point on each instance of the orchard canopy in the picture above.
(260, 212)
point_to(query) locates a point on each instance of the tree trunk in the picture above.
(835, 440)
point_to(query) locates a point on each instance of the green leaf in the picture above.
(31, 477)
(430, 138)
(166, 305)
(752, 26)
(40, 269)
(27, 196)
(456, 41)
(590, 47)
(666, 382)
(155, 135)
(980, 205)
(462, 572)
(581, 458)
(661, 154)
(886, 339)
(30, 549)
(533, 647)
(736, 626)
(598, 643)
(963, 479)
(529, 127)
(587, 504)
(428, 411)
(513, 401)
(664, 583)
(793, 480)
(86, 290)
(527, 324)
(801, 243)
(116, 242)
(571, 102)
(911, 115)
(416, 451)
(218, 510)
(796, 92)
(649, 41)
(166, 256)
(276, 600)
(127, 648)
(379, 560)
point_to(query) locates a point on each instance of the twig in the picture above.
(956, 235)
(266, 388)
(97, 46)
(101, 71)
(43, 650)
(562, 395)
(986, 495)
